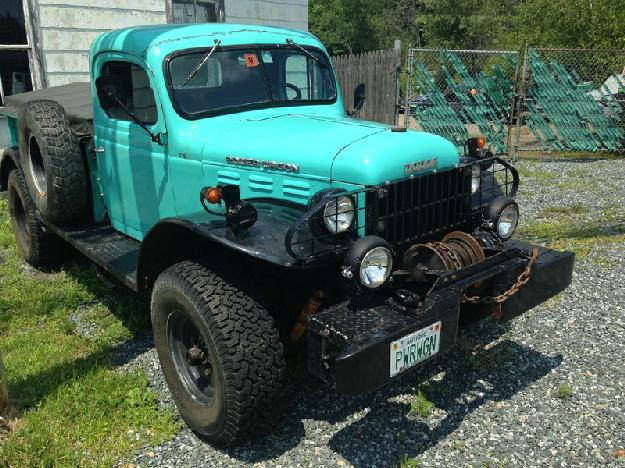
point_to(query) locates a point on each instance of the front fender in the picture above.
(174, 239)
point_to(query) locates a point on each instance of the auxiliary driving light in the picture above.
(502, 216)
(371, 259)
(338, 214)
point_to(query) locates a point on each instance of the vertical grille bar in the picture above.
(422, 206)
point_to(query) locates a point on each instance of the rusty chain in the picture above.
(444, 248)
(523, 278)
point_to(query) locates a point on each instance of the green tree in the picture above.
(466, 24)
(348, 26)
(571, 23)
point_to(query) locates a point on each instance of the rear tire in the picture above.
(52, 162)
(220, 353)
(35, 244)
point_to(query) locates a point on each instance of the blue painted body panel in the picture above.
(144, 182)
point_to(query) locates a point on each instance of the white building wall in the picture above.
(64, 29)
(284, 13)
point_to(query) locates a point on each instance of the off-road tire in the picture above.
(243, 344)
(37, 247)
(52, 162)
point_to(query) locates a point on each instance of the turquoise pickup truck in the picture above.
(213, 169)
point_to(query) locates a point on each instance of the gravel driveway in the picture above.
(548, 388)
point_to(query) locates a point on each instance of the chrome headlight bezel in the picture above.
(339, 214)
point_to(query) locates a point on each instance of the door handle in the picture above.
(98, 149)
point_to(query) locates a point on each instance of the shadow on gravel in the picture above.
(388, 431)
(500, 373)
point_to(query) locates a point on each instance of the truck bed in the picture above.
(74, 97)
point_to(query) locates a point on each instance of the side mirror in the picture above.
(110, 90)
(359, 96)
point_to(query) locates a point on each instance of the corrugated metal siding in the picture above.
(66, 28)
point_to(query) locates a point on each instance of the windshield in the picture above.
(251, 77)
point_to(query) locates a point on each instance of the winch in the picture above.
(455, 251)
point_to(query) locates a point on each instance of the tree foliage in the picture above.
(350, 26)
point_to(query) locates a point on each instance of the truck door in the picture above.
(133, 168)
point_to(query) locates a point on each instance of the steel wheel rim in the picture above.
(190, 356)
(37, 169)
(19, 216)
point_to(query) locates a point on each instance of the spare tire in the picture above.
(52, 162)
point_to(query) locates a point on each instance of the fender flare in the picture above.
(175, 239)
(9, 160)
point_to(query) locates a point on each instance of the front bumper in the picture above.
(349, 343)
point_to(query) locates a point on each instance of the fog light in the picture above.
(502, 216)
(370, 260)
(376, 267)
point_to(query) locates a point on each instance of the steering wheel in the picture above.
(298, 92)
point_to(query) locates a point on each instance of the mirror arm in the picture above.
(135, 119)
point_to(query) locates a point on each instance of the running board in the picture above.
(114, 252)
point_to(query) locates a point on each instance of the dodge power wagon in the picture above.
(213, 168)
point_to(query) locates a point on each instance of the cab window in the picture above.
(140, 97)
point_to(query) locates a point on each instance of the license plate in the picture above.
(412, 349)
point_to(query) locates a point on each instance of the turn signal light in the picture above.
(213, 195)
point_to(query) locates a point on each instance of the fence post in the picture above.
(397, 50)
(520, 105)
(408, 86)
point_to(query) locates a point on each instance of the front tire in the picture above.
(36, 245)
(219, 351)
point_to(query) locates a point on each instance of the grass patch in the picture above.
(541, 156)
(406, 462)
(540, 175)
(420, 405)
(73, 406)
(562, 227)
(564, 392)
(559, 210)
(580, 238)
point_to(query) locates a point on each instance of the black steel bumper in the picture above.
(349, 344)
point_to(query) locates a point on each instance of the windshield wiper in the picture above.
(291, 42)
(201, 63)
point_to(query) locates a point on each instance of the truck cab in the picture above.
(214, 169)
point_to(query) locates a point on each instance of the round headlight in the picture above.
(508, 221)
(502, 216)
(476, 178)
(338, 214)
(376, 267)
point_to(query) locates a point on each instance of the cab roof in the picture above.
(139, 40)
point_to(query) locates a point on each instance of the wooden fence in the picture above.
(378, 71)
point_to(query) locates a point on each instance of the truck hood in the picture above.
(332, 148)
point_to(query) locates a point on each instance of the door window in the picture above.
(15, 76)
(138, 95)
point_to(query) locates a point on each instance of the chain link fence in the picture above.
(461, 93)
(571, 100)
(545, 100)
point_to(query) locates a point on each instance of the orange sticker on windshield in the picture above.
(251, 60)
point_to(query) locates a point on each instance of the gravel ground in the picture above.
(546, 389)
